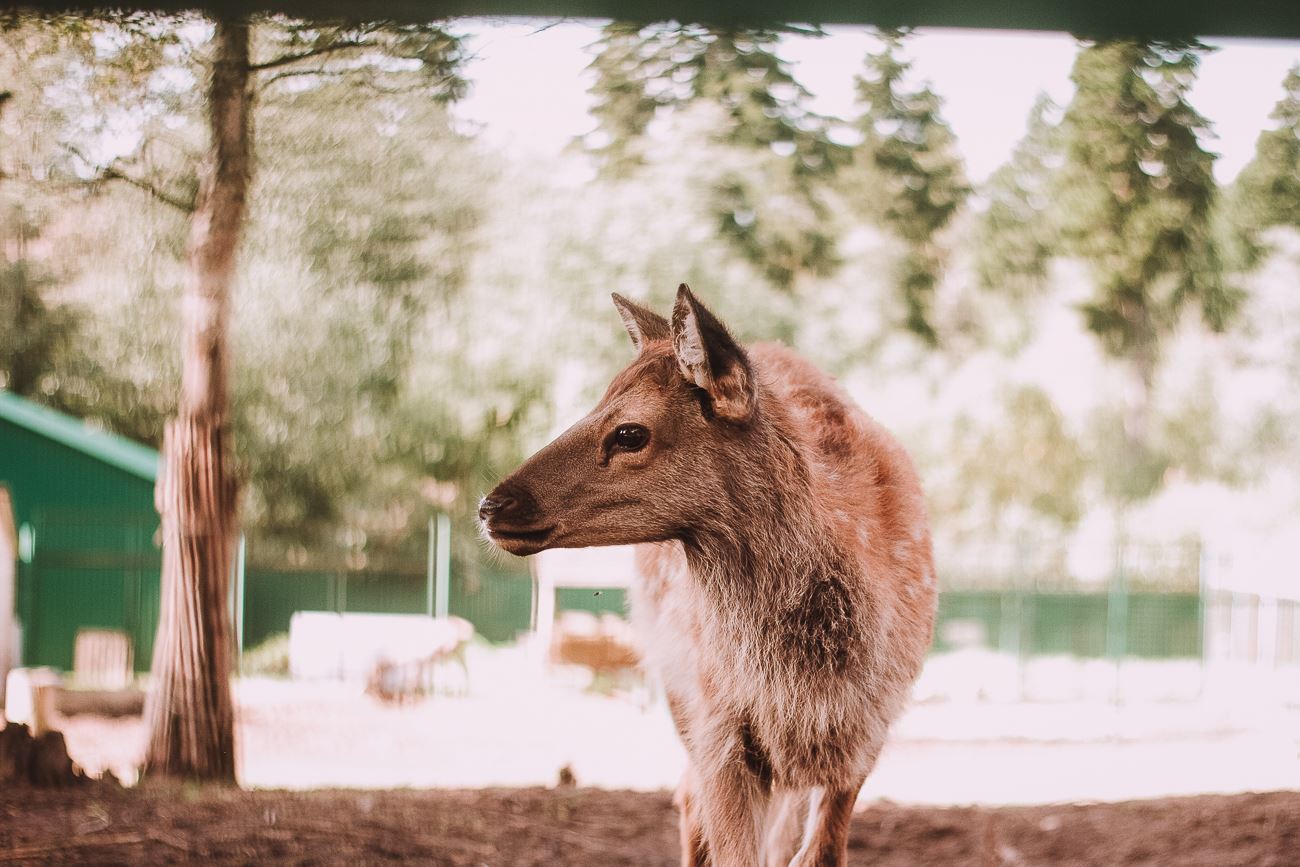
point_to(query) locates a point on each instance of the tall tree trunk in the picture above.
(1138, 396)
(191, 715)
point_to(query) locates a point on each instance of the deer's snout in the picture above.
(510, 504)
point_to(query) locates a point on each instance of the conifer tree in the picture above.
(1015, 238)
(641, 71)
(1267, 192)
(1135, 199)
(909, 156)
(773, 215)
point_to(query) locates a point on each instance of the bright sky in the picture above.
(530, 88)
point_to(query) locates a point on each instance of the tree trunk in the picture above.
(190, 715)
(1137, 398)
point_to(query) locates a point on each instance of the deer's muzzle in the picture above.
(511, 517)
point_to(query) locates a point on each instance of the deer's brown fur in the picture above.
(787, 587)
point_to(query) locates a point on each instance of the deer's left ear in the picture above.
(642, 325)
(712, 360)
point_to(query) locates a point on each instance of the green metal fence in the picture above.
(1085, 625)
(498, 602)
(87, 569)
(101, 568)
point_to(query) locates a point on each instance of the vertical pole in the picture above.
(429, 608)
(545, 615)
(442, 582)
(1016, 620)
(1117, 613)
(240, 558)
(8, 585)
(1203, 614)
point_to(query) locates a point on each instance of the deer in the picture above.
(785, 591)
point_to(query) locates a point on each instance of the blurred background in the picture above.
(1063, 273)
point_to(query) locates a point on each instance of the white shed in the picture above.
(553, 569)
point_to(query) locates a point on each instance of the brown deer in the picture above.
(787, 592)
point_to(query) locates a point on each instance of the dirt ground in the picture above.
(95, 824)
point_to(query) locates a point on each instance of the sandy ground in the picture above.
(518, 725)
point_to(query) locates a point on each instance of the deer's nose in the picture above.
(493, 504)
(507, 504)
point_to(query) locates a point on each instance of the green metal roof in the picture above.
(74, 433)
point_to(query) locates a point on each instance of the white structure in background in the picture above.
(1252, 620)
(324, 645)
(595, 568)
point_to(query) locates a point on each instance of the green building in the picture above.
(80, 510)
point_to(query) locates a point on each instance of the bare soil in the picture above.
(153, 824)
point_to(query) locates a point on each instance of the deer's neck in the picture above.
(769, 537)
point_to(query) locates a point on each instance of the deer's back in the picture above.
(863, 476)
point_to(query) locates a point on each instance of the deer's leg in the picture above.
(734, 785)
(690, 823)
(826, 833)
(690, 820)
(784, 824)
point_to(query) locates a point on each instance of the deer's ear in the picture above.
(711, 359)
(643, 325)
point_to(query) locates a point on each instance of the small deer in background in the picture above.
(787, 592)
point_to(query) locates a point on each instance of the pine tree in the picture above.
(1015, 237)
(1267, 192)
(1135, 199)
(909, 156)
(643, 71)
(772, 212)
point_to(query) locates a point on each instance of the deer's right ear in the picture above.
(643, 325)
(711, 359)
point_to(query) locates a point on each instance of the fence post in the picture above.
(1203, 612)
(443, 582)
(1018, 583)
(428, 572)
(237, 588)
(241, 557)
(1117, 613)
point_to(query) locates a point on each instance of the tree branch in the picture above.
(113, 173)
(294, 73)
(286, 59)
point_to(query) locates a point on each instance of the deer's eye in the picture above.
(631, 437)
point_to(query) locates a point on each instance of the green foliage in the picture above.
(770, 205)
(34, 334)
(68, 80)
(268, 659)
(1136, 200)
(915, 181)
(1267, 192)
(1015, 237)
(1272, 180)
(384, 58)
(1026, 466)
(415, 312)
(646, 71)
(1137, 191)
(352, 270)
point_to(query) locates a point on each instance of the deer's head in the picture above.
(653, 459)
